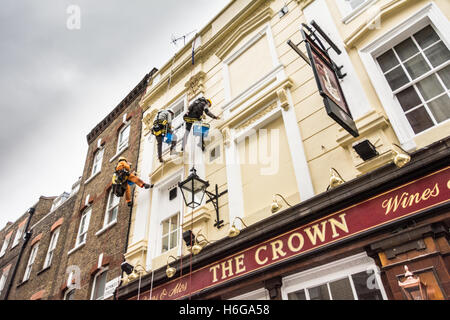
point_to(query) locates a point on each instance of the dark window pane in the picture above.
(417, 66)
(319, 293)
(173, 239)
(445, 76)
(366, 286)
(438, 54)
(426, 37)
(408, 98)
(430, 87)
(396, 78)
(440, 108)
(341, 290)
(299, 295)
(419, 120)
(406, 49)
(387, 60)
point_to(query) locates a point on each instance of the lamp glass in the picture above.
(193, 189)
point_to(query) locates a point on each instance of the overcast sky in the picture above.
(57, 81)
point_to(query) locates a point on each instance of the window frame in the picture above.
(106, 224)
(5, 244)
(94, 283)
(19, 234)
(332, 272)
(51, 248)
(3, 279)
(121, 146)
(349, 13)
(87, 214)
(170, 232)
(430, 14)
(30, 263)
(67, 293)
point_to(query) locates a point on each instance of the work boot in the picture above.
(130, 204)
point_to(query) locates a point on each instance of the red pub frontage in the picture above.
(358, 241)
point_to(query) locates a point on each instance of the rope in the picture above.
(151, 285)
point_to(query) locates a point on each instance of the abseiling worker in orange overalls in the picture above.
(123, 179)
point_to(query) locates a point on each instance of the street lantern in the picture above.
(193, 190)
(412, 287)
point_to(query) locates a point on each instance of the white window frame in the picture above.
(155, 230)
(19, 234)
(99, 273)
(348, 13)
(106, 224)
(81, 232)
(122, 145)
(5, 245)
(330, 272)
(97, 163)
(31, 259)
(169, 234)
(67, 293)
(428, 15)
(51, 247)
(2, 282)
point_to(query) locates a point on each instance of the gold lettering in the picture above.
(435, 191)
(277, 249)
(301, 240)
(392, 203)
(341, 225)
(214, 270)
(227, 266)
(426, 194)
(240, 267)
(258, 260)
(163, 294)
(317, 233)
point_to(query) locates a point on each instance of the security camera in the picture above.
(127, 268)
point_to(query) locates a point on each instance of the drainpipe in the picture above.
(27, 237)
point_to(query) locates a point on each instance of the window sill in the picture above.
(92, 177)
(118, 153)
(45, 269)
(22, 283)
(105, 228)
(81, 245)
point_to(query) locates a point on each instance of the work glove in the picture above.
(147, 186)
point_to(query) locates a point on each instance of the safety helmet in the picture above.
(209, 101)
(123, 159)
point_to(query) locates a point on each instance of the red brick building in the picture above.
(98, 228)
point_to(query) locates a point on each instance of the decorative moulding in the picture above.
(199, 215)
(195, 85)
(366, 27)
(241, 31)
(263, 99)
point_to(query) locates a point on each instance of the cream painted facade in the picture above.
(274, 136)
